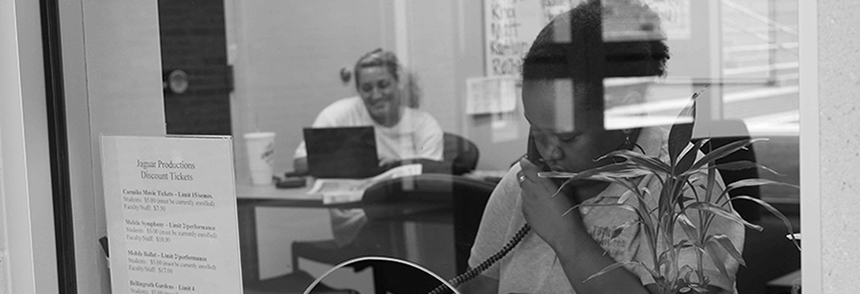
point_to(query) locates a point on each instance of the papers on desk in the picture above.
(351, 190)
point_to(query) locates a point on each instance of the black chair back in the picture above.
(461, 153)
(748, 210)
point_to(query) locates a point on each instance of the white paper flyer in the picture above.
(170, 204)
(351, 190)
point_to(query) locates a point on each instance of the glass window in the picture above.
(321, 96)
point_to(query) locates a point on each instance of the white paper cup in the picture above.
(261, 151)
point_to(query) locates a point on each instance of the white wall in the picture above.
(4, 250)
(27, 254)
(287, 58)
(839, 115)
(432, 47)
(112, 69)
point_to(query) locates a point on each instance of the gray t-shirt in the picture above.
(532, 266)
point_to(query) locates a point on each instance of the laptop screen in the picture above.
(342, 152)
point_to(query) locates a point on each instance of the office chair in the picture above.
(460, 152)
(459, 156)
(423, 196)
(748, 210)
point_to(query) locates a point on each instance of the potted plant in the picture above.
(677, 203)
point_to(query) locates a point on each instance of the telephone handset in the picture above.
(533, 156)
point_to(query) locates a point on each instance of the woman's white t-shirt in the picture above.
(417, 135)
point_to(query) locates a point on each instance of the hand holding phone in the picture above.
(546, 212)
(533, 155)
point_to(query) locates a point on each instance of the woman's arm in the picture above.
(428, 138)
(580, 256)
(300, 166)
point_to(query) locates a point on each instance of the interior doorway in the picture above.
(197, 78)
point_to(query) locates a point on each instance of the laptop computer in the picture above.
(342, 152)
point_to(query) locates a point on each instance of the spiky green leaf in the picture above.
(624, 206)
(728, 246)
(714, 252)
(773, 211)
(556, 175)
(698, 288)
(610, 177)
(687, 159)
(689, 271)
(709, 190)
(752, 183)
(684, 243)
(625, 196)
(617, 170)
(619, 229)
(620, 264)
(652, 163)
(719, 211)
(732, 166)
(724, 151)
(621, 173)
(681, 133)
(688, 227)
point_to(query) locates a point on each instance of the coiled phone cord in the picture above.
(472, 273)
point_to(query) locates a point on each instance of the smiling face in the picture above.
(378, 89)
(563, 146)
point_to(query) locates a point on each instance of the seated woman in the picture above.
(387, 100)
(559, 80)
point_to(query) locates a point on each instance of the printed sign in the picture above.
(171, 214)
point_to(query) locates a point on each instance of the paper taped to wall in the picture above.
(486, 95)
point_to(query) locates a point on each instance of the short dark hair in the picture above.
(548, 58)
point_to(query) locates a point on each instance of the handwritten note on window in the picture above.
(510, 26)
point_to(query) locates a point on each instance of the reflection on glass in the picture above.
(390, 275)
(740, 54)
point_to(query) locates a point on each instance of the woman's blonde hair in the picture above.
(387, 59)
